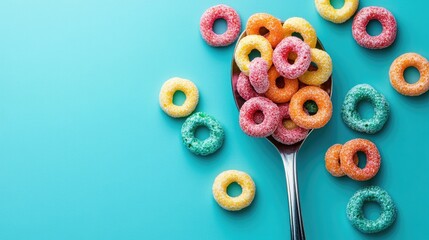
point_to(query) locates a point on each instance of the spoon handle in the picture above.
(296, 225)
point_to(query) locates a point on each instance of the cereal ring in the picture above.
(263, 20)
(387, 20)
(258, 75)
(332, 160)
(324, 68)
(271, 117)
(288, 132)
(373, 159)
(303, 27)
(299, 115)
(302, 61)
(221, 184)
(351, 115)
(282, 93)
(244, 88)
(328, 12)
(396, 74)
(371, 194)
(246, 45)
(233, 25)
(207, 146)
(169, 88)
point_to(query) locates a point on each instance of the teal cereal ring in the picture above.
(371, 194)
(350, 114)
(207, 146)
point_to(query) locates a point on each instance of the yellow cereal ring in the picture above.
(221, 184)
(328, 12)
(303, 27)
(246, 45)
(166, 94)
(324, 68)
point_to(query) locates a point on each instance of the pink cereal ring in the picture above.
(287, 131)
(244, 88)
(258, 75)
(387, 20)
(247, 117)
(302, 61)
(233, 25)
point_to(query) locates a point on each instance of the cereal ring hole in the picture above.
(411, 75)
(254, 54)
(263, 31)
(258, 117)
(234, 189)
(313, 67)
(337, 4)
(202, 133)
(179, 98)
(280, 82)
(362, 160)
(298, 35)
(374, 27)
(371, 210)
(289, 124)
(220, 26)
(365, 109)
(311, 107)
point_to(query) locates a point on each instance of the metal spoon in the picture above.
(288, 154)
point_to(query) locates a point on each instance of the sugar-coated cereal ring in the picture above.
(303, 27)
(302, 61)
(271, 117)
(233, 25)
(166, 95)
(280, 94)
(301, 117)
(387, 20)
(396, 74)
(350, 168)
(288, 133)
(207, 146)
(221, 184)
(371, 194)
(258, 75)
(263, 20)
(351, 115)
(328, 12)
(244, 88)
(324, 68)
(246, 45)
(332, 160)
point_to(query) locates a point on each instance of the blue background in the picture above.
(86, 152)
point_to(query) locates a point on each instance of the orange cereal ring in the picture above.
(258, 21)
(301, 117)
(396, 74)
(280, 94)
(373, 159)
(332, 160)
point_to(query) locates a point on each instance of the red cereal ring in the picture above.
(271, 117)
(258, 75)
(348, 165)
(287, 131)
(302, 61)
(263, 20)
(280, 94)
(387, 20)
(233, 25)
(244, 88)
(332, 160)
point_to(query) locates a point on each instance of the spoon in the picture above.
(288, 154)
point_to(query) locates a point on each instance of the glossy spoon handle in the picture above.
(296, 225)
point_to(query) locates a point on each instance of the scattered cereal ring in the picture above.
(169, 88)
(244, 88)
(396, 74)
(371, 194)
(233, 25)
(207, 146)
(258, 75)
(300, 116)
(287, 131)
(351, 115)
(263, 20)
(271, 117)
(332, 160)
(280, 94)
(348, 165)
(246, 45)
(324, 68)
(303, 27)
(221, 184)
(302, 61)
(328, 12)
(387, 20)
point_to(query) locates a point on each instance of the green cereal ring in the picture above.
(351, 116)
(207, 146)
(371, 194)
